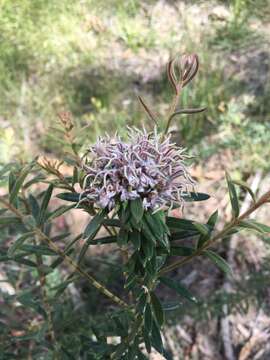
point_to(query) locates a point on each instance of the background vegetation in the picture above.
(93, 58)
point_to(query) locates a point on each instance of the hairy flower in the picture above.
(146, 167)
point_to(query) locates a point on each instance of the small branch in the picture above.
(67, 259)
(263, 199)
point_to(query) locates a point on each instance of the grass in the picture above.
(94, 58)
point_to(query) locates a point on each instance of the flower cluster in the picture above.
(147, 166)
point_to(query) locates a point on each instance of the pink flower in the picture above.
(145, 167)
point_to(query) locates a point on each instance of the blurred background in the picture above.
(93, 58)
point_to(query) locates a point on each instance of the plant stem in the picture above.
(172, 109)
(45, 300)
(66, 258)
(263, 199)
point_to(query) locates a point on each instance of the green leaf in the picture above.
(34, 205)
(9, 220)
(60, 211)
(203, 229)
(147, 232)
(193, 196)
(94, 224)
(233, 196)
(171, 306)
(105, 240)
(210, 226)
(135, 237)
(218, 261)
(18, 242)
(157, 339)
(213, 219)
(181, 251)
(137, 209)
(91, 231)
(157, 307)
(141, 302)
(148, 320)
(112, 222)
(243, 185)
(24, 261)
(69, 196)
(130, 281)
(184, 234)
(19, 182)
(38, 249)
(122, 237)
(180, 224)
(11, 181)
(5, 169)
(180, 289)
(147, 340)
(44, 205)
(254, 225)
(148, 248)
(36, 179)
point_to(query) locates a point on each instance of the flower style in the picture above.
(147, 167)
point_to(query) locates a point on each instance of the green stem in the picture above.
(172, 109)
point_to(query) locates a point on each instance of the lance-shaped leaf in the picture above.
(254, 225)
(9, 220)
(179, 288)
(105, 240)
(69, 196)
(60, 211)
(210, 225)
(91, 231)
(218, 261)
(44, 205)
(148, 319)
(15, 188)
(19, 242)
(233, 196)
(157, 308)
(187, 112)
(137, 210)
(181, 251)
(156, 338)
(194, 196)
(147, 109)
(181, 224)
(243, 185)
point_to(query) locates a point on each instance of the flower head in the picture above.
(146, 167)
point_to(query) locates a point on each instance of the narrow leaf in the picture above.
(254, 225)
(18, 242)
(69, 196)
(245, 187)
(91, 231)
(137, 209)
(44, 205)
(233, 196)
(60, 211)
(148, 320)
(180, 289)
(194, 196)
(181, 251)
(218, 261)
(19, 182)
(157, 307)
